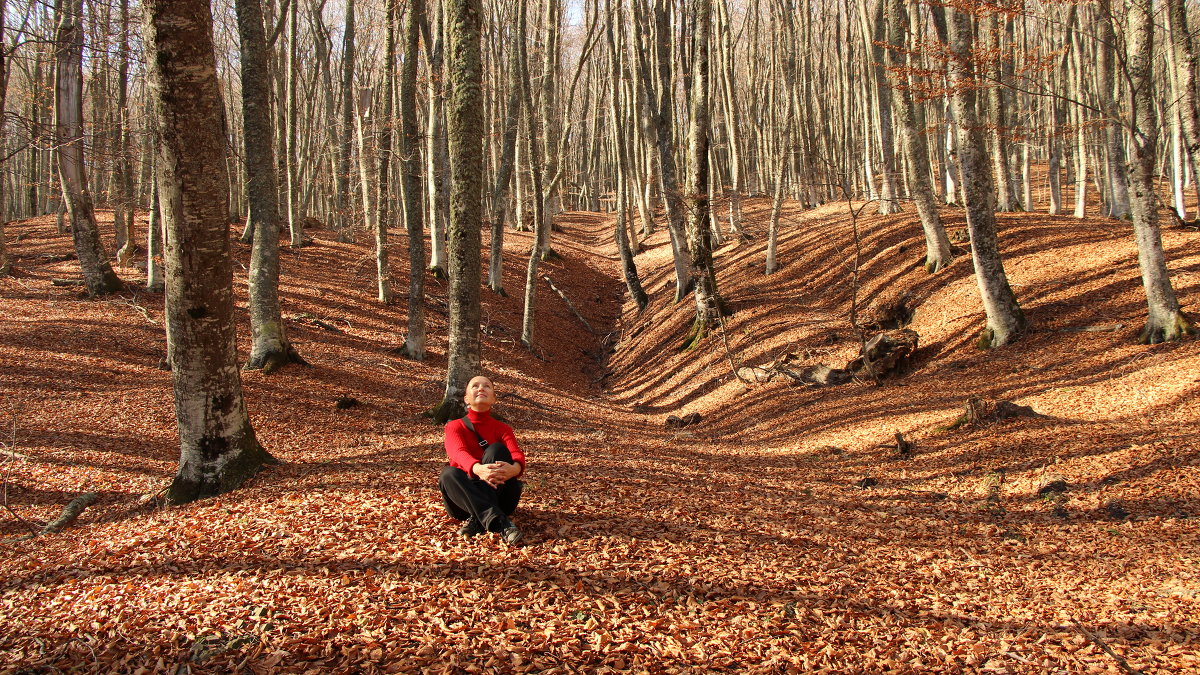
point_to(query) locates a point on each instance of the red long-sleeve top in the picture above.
(462, 447)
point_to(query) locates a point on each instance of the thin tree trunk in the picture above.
(1118, 179)
(383, 270)
(5, 263)
(508, 150)
(616, 119)
(345, 224)
(414, 343)
(1189, 101)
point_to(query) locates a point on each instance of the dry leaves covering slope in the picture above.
(741, 543)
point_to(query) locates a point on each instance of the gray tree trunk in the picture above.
(508, 152)
(616, 119)
(344, 198)
(98, 275)
(1189, 101)
(873, 35)
(218, 448)
(5, 263)
(699, 243)
(1165, 322)
(410, 142)
(383, 269)
(464, 126)
(270, 348)
(938, 252)
(293, 114)
(1114, 143)
(1005, 321)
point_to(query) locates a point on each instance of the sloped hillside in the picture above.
(777, 534)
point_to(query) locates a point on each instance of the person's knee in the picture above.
(452, 474)
(497, 452)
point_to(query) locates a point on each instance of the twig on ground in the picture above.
(1107, 650)
(570, 304)
(728, 351)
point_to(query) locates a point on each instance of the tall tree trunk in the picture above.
(540, 223)
(1005, 321)
(292, 153)
(464, 126)
(700, 263)
(1118, 178)
(617, 121)
(5, 263)
(123, 211)
(98, 275)
(873, 36)
(1165, 322)
(218, 448)
(437, 201)
(938, 252)
(270, 347)
(661, 112)
(155, 233)
(345, 224)
(508, 151)
(383, 270)
(1189, 101)
(998, 114)
(414, 343)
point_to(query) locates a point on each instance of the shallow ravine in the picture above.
(743, 542)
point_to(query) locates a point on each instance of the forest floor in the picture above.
(749, 541)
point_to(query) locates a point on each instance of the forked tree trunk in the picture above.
(269, 348)
(1165, 322)
(414, 343)
(1005, 321)
(218, 448)
(464, 126)
(98, 275)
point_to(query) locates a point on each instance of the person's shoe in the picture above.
(511, 535)
(471, 528)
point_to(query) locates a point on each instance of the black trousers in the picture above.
(467, 496)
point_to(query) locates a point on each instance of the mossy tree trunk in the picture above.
(464, 126)
(270, 347)
(218, 448)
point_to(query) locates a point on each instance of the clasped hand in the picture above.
(496, 473)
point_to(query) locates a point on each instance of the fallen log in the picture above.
(69, 513)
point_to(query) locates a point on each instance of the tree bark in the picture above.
(218, 448)
(414, 343)
(1189, 101)
(699, 243)
(938, 252)
(508, 151)
(345, 225)
(1005, 321)
(5, 263)
(464, 126)
(1165, 322)
(98, 275)
(616, 75)
(270, 348)
(1118, 177)
(383, 269)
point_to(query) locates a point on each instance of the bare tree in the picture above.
(1165, 322)
(218, 448)
(464, 126)
(98, 275)
(1005, 321)
(270, 347)
(414, 343)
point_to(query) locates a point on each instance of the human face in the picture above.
(480, 396)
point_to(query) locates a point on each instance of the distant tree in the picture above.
(1005, 321)
(1117, 195)
(5, 263)
(218, 448)
(270, 347)
(1189, 101)
(1165, 321)
(617, 121)
(98, 275)
(464, 126)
